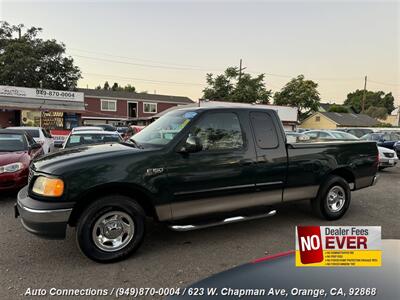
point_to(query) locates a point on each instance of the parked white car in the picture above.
(387, 158)
(329, 135)
(87, 128)
(91, 137)
(40, 135)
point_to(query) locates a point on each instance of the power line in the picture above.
(183, 67)
(145, 80)
(384, 83)
(142, 59)
(139, 64)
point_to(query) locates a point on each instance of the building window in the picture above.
(317, 118)
(108, 105)
(150, 108)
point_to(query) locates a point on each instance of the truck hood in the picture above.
(54, 163)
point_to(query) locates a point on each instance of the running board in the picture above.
(226, 221)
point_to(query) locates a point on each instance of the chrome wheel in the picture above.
(336, 198)
(113, 231)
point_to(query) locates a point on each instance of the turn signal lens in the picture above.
(50, 187)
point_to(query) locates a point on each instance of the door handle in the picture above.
(246, 162)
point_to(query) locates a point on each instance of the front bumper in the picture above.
(388, 162)
(47, 220)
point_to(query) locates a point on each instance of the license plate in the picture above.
(391, 161)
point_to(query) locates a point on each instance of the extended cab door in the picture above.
(271, 162)
(216, 180)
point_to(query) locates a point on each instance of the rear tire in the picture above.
(111, 229)
(333, 198)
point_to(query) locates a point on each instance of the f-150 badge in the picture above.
(154, 171)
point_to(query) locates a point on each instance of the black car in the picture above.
(277, 275)
(107, 127)
(383, 139)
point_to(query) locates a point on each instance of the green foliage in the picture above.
(377, 112)
(29, 61)
(228, 87)
(376, 99)
(338, 108)
(299, 93)
(117, 87)
(383, 124)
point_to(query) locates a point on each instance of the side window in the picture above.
(312, 134)
(264, 130)
(219, 131)
(31, 141)
(46, 133)
(324, 135)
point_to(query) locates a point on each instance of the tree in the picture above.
(115, 87)
(29, 61)
(338, 108)
(376, 99)
(228, 87)
(377, 112)
(299, 93)
(129, 88)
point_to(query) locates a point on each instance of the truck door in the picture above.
(216, 180)
(271, 161)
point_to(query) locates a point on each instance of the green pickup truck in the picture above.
(192, 168)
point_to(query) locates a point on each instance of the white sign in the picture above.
(22, 92)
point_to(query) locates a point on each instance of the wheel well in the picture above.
(346, 174)
(119, 189)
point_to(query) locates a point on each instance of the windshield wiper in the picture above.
(133, 143)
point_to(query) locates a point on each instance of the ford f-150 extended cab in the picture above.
(192, 168)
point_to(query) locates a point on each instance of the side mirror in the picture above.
(35, 146)
(192, 144)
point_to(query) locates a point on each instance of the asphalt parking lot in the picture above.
(172, 259)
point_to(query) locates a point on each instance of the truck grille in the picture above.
(389, 155)
(30, 175)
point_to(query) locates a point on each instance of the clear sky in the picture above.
(168, 47)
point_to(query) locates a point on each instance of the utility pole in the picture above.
(240, 69)
(364, 95)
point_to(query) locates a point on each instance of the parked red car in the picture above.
(17, 150)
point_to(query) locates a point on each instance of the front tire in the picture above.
(111, 228)
(333, 199)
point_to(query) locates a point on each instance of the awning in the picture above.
(41, 104)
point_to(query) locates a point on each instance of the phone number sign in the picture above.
(22, 92)
(338, 246)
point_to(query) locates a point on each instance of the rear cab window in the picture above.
(264, 130)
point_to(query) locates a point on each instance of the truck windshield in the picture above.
(162, 131)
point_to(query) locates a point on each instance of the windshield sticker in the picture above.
(190, 115)
(184, 123)
(74, 139)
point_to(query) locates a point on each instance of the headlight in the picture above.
(51, 187)
(11, 168)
